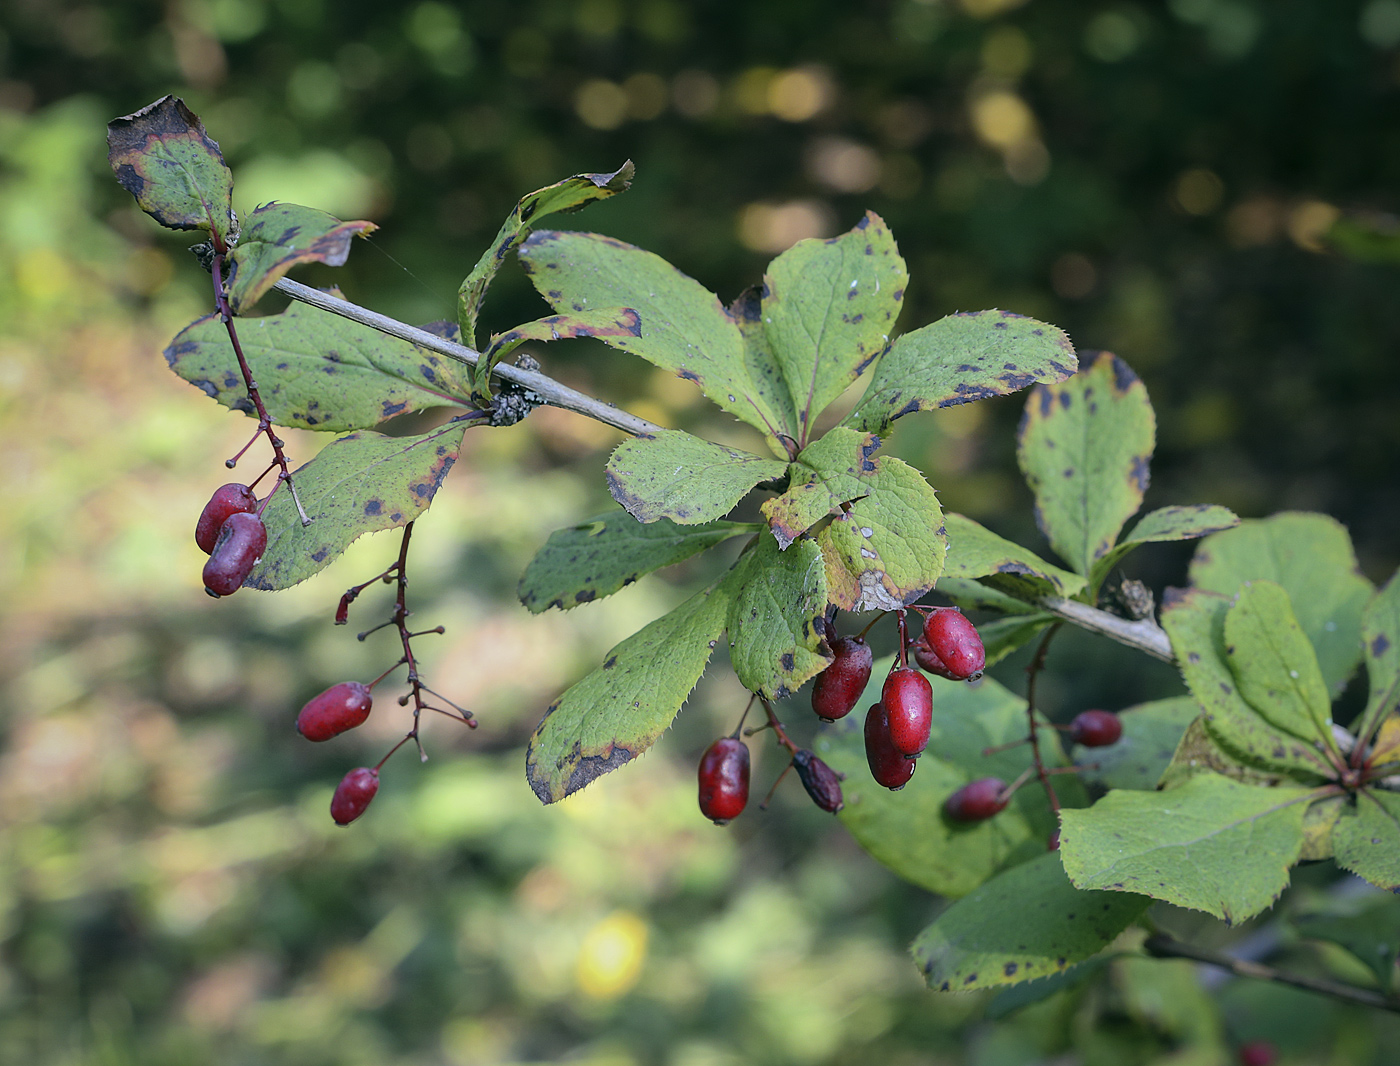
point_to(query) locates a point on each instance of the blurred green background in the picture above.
(1157, 178)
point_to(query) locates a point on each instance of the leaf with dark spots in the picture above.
(976, 552)
(617, 712)
(1380, 637)
(163, 157)
(1165, 524)
(958, 359)
(602, 324)
(570, 194)
(374, 507)
(828, 473)
(336, 487)
(679, 476)
(269, 247)
(776, 598)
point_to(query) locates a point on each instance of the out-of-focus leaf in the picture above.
(679, 476)
(1085, 446)
(967, 356)
(974, 551)
(829, 472)
(1165, 524)
(1002, 636)
(1367, 838)
(1318, 824)
(1369, 929)
(277, 237)
(615, 713)
(1151, 733)
(975, 596)
(776, 599)
(1380, 640)
(596, 558)
(163, 157)
(361, 483)
(1201, 751)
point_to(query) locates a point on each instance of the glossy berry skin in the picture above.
(241, 543)
(1258, 1053)
(838, 687)
(1095, 729)
(819, 780)
(954, 639)
(353, 794)
(888, 766)
(227, 500)
(340, 707)
(908, 700)
(928, 661)
(977, 800)
(724, 780)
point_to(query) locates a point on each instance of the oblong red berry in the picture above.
(908, 700)
(977, 800)
(1258, 1053)
(353, 794)
(340, 707)
(888, 766)
(955, 641)
(837, 688)
(227, 500)
(819, 780)
(928, 661)
(1095, 729)
(242, 540)
(724, 780)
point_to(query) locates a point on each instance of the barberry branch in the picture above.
(1037, 664)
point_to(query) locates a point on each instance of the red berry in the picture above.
(340, 707)
(928, 661)
(353, 794)
(977, 800)
(954, 640)
(819, 780)
(227, 500)
(242, 540)
(908, 700)
(888, 766)
(1095, 729)
(838, 687)
(724, 780)
(1258, 1053)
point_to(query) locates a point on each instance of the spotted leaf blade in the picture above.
(974, 551)
(601, 323)
(679, 476)
(1367, 839)
(1165, 524)
(1380, 639)
(1084, 446)
(777, 597)
(277, 237)
(1212, 845)
(975, 944)
(596, 558)
(358, 484)
(968, 356)
(829, 472)
(615, 713)
(163, 157)
(315, 370)
(829, 308)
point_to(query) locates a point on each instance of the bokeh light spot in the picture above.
(611, 956)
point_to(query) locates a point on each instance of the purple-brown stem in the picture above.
(1037, 664)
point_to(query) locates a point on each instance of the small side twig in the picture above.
(1037, 664)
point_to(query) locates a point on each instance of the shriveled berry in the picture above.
(1258, 1053)
(242, 540)
(888, 765)
(928, 661)
(954, 640)
(838, 687)
(977, 800)
(724, 780)
(340, 707)
(353, 794)
(227, 500)
(1095, 729)
(819, 780)
(908, 700)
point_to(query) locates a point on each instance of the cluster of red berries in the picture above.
(232, 534)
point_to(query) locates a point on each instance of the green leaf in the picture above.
(596, 558)
(359, 483)
(1165, 524)
(1380, 639)
(777, 597)
(615, 713)
(762, 366)
(1025, 923)
(1318, 824)
(1084, 446)
(829, 308)
(974, 551)
(678, 476)
(1367, 839)
(163, 157)
(1195, 622)
(277, 237)
(1368, 928)
(569, 194)
(967, 356)
(1024, 995)
(1274, 664)
(906, 831)
(887, 549)
(1002, 636)
(1151, 733)
(829, 472)
(1201, 751)
(975, 596)
(1311, 556)
(601, 323)
(685, 329)
(1212, 844)
(314, 370)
